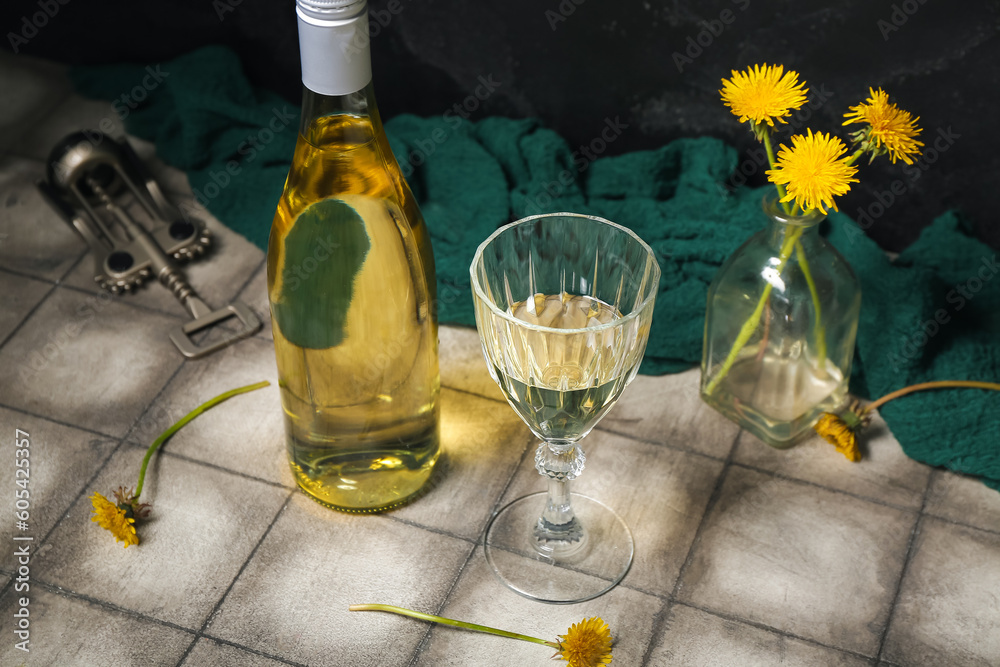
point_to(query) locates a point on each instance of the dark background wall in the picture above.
(655, 64)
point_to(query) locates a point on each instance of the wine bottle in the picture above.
(350, 279)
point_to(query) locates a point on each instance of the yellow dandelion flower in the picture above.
(586, 644)
(836, 431)
(763, 94)
(115, 519)
(813, 171)
(890, 130)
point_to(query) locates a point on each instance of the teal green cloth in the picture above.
(469, 177)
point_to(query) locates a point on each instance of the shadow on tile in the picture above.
(35, 240)
(693, 638)
(69, 631)
(292, 599)
(60, 459)
(89, 361)
(949, 602)
(245, 433)
(804, 560)
(479, 597)
(203, 525)
(660, 493)
(668, 409)
(885, 473)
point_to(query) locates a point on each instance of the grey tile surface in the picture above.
(964, 499)
(254, 295)
(69, 632)
(949, 602)
(462, 363)
(210, 653)
(245, 433)
(33, 88)
(694, 638)
(464, 491)
(203, 526)
(73, 114)
(88, 360)
(817, 564)
(480, 598)
(668, 409)
(33, 238)
(885, 473)
(61, 460)
(292, 599)
(21, 295)
(216, 277)
(659, 492)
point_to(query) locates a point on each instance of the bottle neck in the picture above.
(335, 49)
(359, 104)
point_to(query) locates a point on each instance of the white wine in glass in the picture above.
(563, 307)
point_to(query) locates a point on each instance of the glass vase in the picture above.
(780, 325)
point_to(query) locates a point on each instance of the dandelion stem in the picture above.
(854, 156)
(750, 326)
(184, 420)
(938, 384)
(800, 254)
(774, 165)
(447, 621)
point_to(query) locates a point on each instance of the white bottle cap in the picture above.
(335, 45)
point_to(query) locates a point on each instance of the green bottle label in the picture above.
(324, 251)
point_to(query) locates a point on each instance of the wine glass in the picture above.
(563, 307)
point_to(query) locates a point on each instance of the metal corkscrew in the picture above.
(84, 181)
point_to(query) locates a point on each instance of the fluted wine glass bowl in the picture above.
(563, 307)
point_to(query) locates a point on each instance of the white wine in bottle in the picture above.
(350, 279)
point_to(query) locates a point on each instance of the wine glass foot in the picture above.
(570, 564)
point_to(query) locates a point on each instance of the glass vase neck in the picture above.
(777, 215)
(782, 225)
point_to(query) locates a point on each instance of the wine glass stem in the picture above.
(558, 534)
(558, 511)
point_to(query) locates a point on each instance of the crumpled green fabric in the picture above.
(472, 176)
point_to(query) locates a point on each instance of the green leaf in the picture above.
(323, 253)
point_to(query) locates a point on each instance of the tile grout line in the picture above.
(767, 628)
(124, 299)
(77, 262)
(695, 541)
(149, 406)
(832, 489)
(907, 560)
(422, 644)
(253, 552)
(247, 649)
(665, 445)
(429, 529)
(660, 625)
(212, 466)
(110, 606)
(97, 472)
(77, 427)
(28, 315)
(42, 542)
